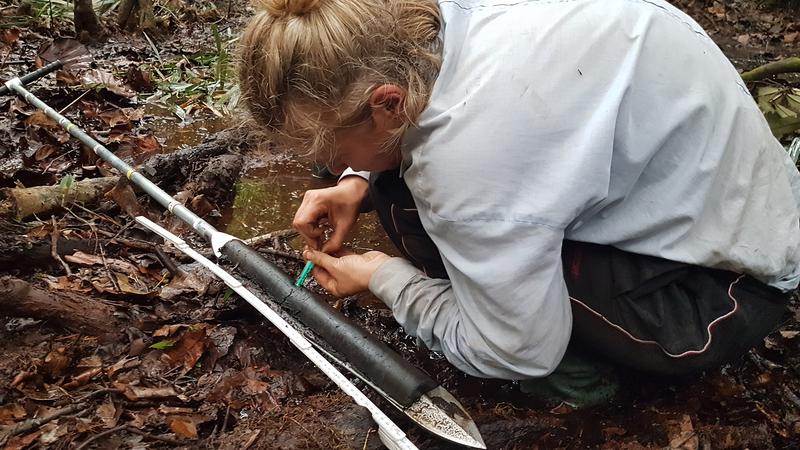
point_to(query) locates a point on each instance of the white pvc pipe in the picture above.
(390, 434)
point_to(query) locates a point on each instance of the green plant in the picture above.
(781, 108)
(204, 80)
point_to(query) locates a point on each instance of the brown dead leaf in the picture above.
(190, 347)
(169, 330)
(20, 442)
(139, 148)
(139, 79)
(65, 49)
(168, 410)
(684, 437)
(55, 362)
(122, 364)
(114, 117)
(83, 378)
(743, 39)
(125, 285)
(134, 393)
(107, 413)
(97, 79)
(64, 283)
(44, 152)
(791, 37)
(52, 432)
(789, 334)
(11, 413)
(9, 36)
(84, 259)
(201, 206)
(124, 196)
(183, 426)
(611, 432)
(39, 121)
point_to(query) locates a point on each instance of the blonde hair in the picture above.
(308, 67)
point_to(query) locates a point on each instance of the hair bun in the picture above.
(280, 8)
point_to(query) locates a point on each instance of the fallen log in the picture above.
(170, 171)
(66, 309)
(787, 65)
(19, 203)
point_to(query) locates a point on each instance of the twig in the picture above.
(100, 216)
(57, 158)
(225, 421)
(100, 435)
(155, 437)
(130, 429)
(54, 247)
(31, 424)
(166, 261)
(265, 238)
(366, 439)
(74, 101)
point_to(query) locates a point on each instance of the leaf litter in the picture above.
(193, 366)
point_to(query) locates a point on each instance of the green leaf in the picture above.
(163, 345)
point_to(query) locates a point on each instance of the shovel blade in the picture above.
(441, 414)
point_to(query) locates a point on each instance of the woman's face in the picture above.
(363, 147)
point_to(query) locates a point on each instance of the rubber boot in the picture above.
(578, 381)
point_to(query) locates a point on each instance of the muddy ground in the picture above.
(111, 339)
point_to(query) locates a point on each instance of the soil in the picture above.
(189, 365)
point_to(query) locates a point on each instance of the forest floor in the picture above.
(109, 339)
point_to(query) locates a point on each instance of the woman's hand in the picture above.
(346, 273)
(338, 205)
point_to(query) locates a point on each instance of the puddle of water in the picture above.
(268, 196)
(174, 133)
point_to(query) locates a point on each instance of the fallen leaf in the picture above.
(789, 334)
(44, 152)
(39, 120)
(184, 427)
(11, 413)
(122, 364)
(126, 287)
(743, 39)
(9, 35)
(791, 37)
(124, 196)
(684, 437)
(84, 259)
(134, 393)
(169, 330)
(20, 442)
(52, 432)
(190, 348)
(107, 413)
(83, 378)
(168, 410)
(114, 117)
(101, 79)
(55, 362)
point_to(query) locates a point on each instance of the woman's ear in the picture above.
(387, 103)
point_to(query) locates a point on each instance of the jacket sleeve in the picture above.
(503, 313)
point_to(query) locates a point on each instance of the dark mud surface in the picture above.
(195, 367)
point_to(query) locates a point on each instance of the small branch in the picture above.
(32, 424)
(166, 261)
(774, 68)
(54, 247)
(255, 242)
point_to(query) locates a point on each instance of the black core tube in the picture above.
(33, 76)
(384, 368)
